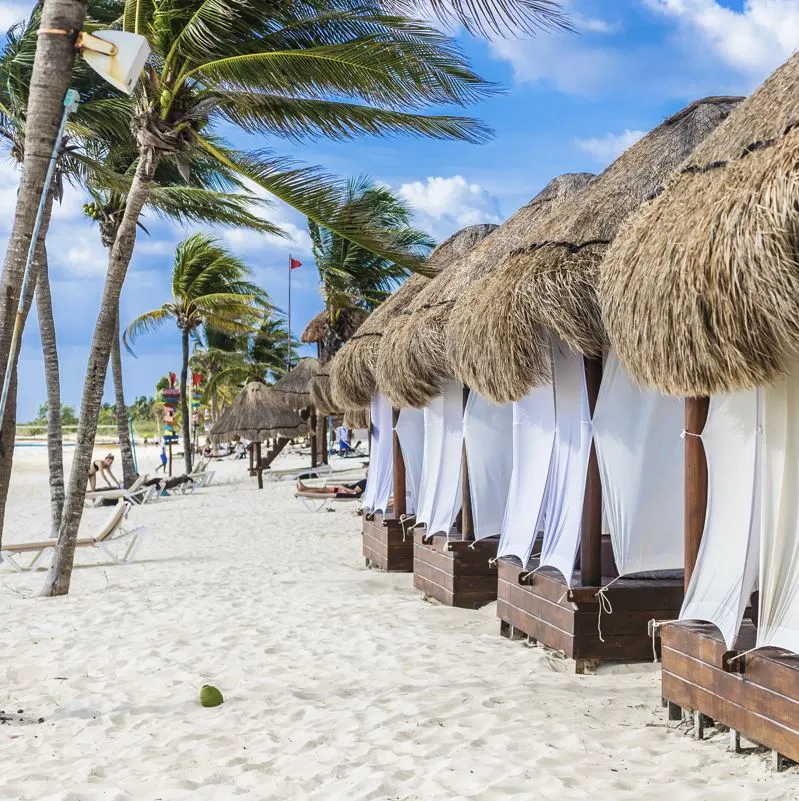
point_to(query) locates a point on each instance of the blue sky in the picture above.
(573, 103)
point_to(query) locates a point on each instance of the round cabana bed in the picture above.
(700, 296)
(530, 334)
(468, 461)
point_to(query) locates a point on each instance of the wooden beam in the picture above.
(400, 488)
(467, 518)
(591, 528)
(314, 444)
(695, 481)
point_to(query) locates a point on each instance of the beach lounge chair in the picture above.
(135, 493)
(293, 475)
(201, 475)
(106, 540)
(315, 502)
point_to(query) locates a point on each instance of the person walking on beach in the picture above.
(103, 467)
(162, 466)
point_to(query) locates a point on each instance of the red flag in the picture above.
(294, 263)
(196, 379)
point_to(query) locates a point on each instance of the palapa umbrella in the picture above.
(294, 388)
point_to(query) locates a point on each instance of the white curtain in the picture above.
(381, 467)
(726, 568)
(566, 486)
(487, 435)
(778, 625)
(410, 430)
(533, 439)
(440, 493)
(641, 464)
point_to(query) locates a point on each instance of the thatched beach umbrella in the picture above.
(413, 365)
(256, 413)
(294, 388)
(549, 282)
(321, 392)
(352, 370)
(700, 292)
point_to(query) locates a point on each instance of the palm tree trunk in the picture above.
(123, 427)
(55, 441)
(52, 72)
(60, 572)
(184, 399)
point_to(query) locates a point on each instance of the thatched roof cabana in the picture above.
(321, 392)
(316, 330)
(258, 412)
(413, 362)
(550, 281)
(357, 418)
(294, 388)
(700, 292)
(352, 369)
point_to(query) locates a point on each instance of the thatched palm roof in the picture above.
(413, 363)
(256, 413)
(352, 369)
(549, 282)
(700, 293)
(294, 388)
(321, 392)
(316, 330)
(357, 418)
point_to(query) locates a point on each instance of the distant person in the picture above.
(164, 459)
(103, 467)
(343, 434)
(355, 489)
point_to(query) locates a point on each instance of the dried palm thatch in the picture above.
(352, 370)
(294, 388)
(316, 328)
(549, 283)
(258, 412)
(700, 291)
(413, 364)
(321, 392)
(357, 418)
(346, 324)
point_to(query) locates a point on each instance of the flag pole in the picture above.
(288, 351)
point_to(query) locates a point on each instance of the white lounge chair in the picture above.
(135, 493)
(316, 502)
(294, 475)
(201, 476)
(106, 540)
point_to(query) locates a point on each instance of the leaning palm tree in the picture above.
(355, 280)
(209, 287)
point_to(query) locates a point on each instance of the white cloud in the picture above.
(754, 40)
(445, 205)
(608, 148)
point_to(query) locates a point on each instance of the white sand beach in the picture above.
(339, 682)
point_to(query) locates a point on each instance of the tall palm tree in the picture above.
(294, 70)
(355, 280)
(209, 287)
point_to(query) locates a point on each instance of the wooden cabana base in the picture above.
(454, 572)
(541, 607)
(385, 545)
(756, 696)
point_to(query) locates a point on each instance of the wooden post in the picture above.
(467, 518)
(260, 464)
(252, 457)
(314, 445)
(400, 488)
(695, 481)
(324, 443)
(591, 528)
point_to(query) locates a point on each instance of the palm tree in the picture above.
(355, 280)
(209, 287)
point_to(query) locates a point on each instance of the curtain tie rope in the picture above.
(604, 606)
(684, 434)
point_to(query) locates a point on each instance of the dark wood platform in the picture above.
(756, 696)
(454, 573)
(541, 607)
(385, 546)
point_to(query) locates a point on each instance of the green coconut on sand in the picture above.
(210, 696)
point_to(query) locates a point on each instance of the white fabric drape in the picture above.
(566, 485)
(641, 465)
(381, 467)
(487, 435)
(440, 493)
(778, 624)
(533, 439)
(410, 431)
(726, 568)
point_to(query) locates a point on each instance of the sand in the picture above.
(339, 682)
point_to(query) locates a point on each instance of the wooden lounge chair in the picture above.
(135, 493)
(105, 540)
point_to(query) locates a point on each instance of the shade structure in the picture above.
(549, 280)
(321, 391)
(258, 412)
(316, 328)
(413, 363)
(381, 468)
(352, 370)
(295, 386)
(699, 293)
(357, 418)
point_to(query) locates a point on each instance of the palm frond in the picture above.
(145, 323)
